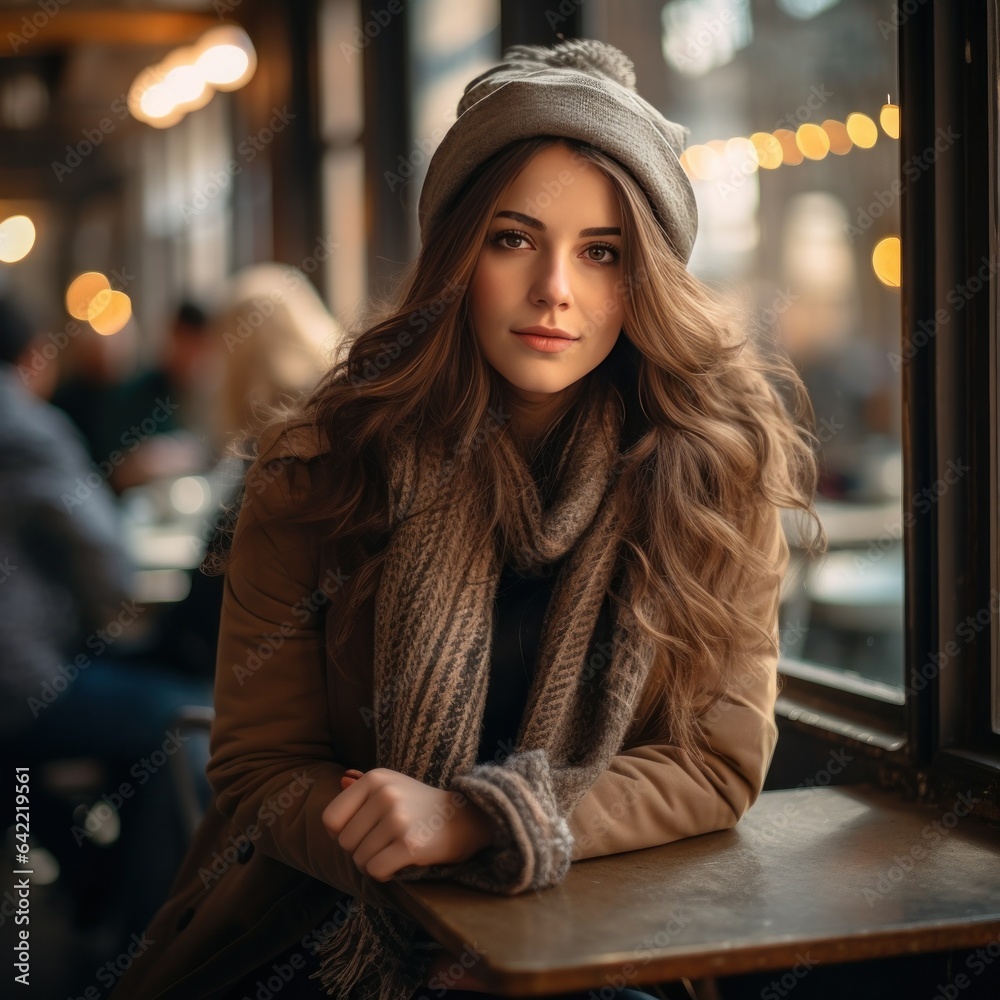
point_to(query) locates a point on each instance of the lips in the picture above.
(550, 342)
(547, 331)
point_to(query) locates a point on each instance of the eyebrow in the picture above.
(527, 220)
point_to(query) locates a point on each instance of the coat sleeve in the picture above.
(271, 765)
(652, 793)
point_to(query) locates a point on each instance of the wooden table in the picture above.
(810, 875)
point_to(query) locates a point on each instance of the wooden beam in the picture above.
(68, 27)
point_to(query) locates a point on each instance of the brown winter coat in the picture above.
(262, 873)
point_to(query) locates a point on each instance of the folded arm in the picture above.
(272, 766)
(653, 793)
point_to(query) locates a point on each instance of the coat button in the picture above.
(245, 853)
(185, 918)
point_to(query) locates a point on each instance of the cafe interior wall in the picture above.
(163, 212)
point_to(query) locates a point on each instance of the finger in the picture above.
(379, 839)
(365, 818)
(342, 807)
(391, 859)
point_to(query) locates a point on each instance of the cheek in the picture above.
(608, 313)
(482, 296)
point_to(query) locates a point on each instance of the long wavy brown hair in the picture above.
(718, 437)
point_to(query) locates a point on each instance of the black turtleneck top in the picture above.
(519, 610)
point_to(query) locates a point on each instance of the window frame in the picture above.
(944, 733)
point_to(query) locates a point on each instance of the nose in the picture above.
(551, 285)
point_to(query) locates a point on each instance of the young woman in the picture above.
(503, 594)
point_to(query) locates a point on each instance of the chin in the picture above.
(539, 386)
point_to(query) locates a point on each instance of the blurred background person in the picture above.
(92, 370)
(174, 395)
(276, 339)
(65, 602)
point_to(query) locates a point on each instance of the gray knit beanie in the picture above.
(578, 89)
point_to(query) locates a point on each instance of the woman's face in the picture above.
(545, 298)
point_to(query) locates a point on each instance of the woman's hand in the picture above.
(387, 821)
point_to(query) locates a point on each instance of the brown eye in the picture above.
(602, 253)
(511, 239)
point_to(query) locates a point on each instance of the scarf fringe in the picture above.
(374, 955)
(433, 642)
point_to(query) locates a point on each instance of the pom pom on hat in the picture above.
(579, 89)
(578, 55)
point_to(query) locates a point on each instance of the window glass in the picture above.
(793, 152)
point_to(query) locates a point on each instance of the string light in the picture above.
(223, 59)
(17, 237)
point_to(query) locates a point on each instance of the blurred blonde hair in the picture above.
(277, 339)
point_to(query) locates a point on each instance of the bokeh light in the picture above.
(791, 155)
(889, 120)
(812, 141)
(17, 237)
(886, 261)
(862, 130)
(840, 141)
(82, 291)
(110, 312)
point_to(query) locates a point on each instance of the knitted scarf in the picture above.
(433, 633)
